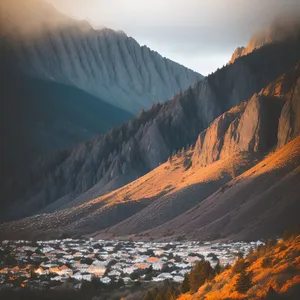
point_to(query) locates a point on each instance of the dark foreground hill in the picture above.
(40, 117)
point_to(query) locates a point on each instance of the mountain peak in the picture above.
(280, 29)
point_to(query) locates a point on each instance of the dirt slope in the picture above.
(261, 202)
(275, 275)
(204, 192)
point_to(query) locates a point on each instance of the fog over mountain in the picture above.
(55, 68)
(199, 34)
(105, 63)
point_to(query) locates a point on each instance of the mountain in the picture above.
(63, 83)
(281, 28)
(124, 154)
(104, 63)
(128, 152)
(226, 199)
(39, 117)
(229, 184)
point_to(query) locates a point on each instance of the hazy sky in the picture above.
(200, 34)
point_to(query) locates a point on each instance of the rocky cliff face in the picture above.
(233, 183)
(126, 153)
(105, 63)
(39, 117)
(269, 119)
(289, 122)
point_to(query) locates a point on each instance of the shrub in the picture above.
(200, 273)
(243, 282)
(266, 262)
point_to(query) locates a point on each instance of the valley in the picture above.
(125, 175)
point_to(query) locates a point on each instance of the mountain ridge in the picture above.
(165, 203)
(105, 63)
(117, 158)
(280, 29)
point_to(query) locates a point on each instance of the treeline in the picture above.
(202, 273)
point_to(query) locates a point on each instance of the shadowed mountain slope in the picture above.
(105, 63)
(205, 192)
(248, 131)
(126, 153)
(40, 117)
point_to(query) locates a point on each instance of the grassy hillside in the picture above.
(274, 274)
(271, 272)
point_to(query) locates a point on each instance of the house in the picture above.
(114, 273)
(64, 270)
(157, 266)
(105, 280)
(178, 278)
(96, 270)
(82, 267)
(87, 277)
(129, 270)
(165, 276)
(54, 270)
(41, 271)
(141, 266)
(77, 276)
(153, 259)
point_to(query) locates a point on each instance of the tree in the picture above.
(243, 282)
(158, 297)
(185, 285)
(201, 272)
(240, 265)
(266, 262)
(86, 260)
(218, 268)
(32, 273)
(10, 260)
(272, 294)
(170, 294)
(148, 296)
(120, 282)
(149, 270)
(142, 113)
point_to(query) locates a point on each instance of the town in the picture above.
(49, 264)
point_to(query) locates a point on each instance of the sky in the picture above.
(200, 34)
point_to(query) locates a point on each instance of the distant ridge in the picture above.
(105, 63)
(281, 29)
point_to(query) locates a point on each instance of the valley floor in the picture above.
(269, 271)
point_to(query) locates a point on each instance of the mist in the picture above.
(201, 35)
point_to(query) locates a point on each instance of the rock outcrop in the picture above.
(289, 122)
(270, 117)
(39, 117)
(260, 203)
